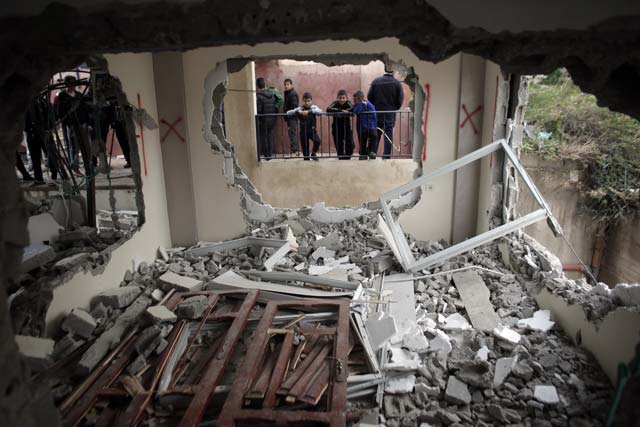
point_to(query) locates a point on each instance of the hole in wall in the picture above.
(282, 170)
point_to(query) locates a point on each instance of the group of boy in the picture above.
(375, 119)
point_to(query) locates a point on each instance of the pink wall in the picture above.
(324, 82)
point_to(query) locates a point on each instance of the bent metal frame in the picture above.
(399, 242)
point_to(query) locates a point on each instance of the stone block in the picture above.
(37, 351)
(118, 297)
(457, 392)
(80, 323)
(171, 280)
(160, 313)
(192, 307)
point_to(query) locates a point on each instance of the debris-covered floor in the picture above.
(315, 324)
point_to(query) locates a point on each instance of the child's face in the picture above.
(357, 99)
(307, 102)
(342, 99)
(288, 86)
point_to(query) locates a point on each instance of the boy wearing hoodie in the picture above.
(365, 126)
(306, 115)
(341, 125)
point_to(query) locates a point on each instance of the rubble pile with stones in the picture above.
(465, 377)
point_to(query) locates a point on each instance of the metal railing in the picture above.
(388, 135)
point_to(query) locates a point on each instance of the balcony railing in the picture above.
(388, 135)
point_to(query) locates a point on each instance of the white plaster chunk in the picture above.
(400, 385)
(157, 294)
(504, 366)
(324, 253)
(546, 394)
(163, 253)
(160, 313)
(300, 267)
(403, 360)
(136, 262)
(629, 295)
(441, 342)
(38, 351)
(483, 353)
(601, 289)
(260, 212)
(318, 270)
(380, 328)
(507, 334)
(43, 228)
(171, 280)
(456, 321)
(320, 213)
(291, 238)
(541, 321)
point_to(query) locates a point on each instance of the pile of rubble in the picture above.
(461, 344)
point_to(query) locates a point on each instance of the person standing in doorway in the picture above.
(291, 102)
(386, 94)
(266, 103)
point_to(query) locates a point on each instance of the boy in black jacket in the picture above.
(306, 115)
(266, 103)
(291, 102)
(341, 125)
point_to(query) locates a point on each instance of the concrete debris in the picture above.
(541, 321)
(43, 228)
(629, 295)
(483, 353)
(118, 297)
(160, 313)
(415, 341)
(507, 334)
(403, 360)
(171, 280)
(157, 294)
(323, 253)
(37, 351)
(192, 307)
(546, 394)
(457, 392)
(80, 323)
(331, 242)
(401, 384)
(440, 343)
(72, 261)
(36, 255)
(381, 327)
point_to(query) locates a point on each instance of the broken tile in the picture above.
(541, 321)
(171, 280)
(503, 368)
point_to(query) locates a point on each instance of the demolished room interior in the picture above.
(177, 293)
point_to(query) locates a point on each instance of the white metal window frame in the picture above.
(399, 243)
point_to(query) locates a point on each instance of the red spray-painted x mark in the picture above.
(468, 117)
(171, 128)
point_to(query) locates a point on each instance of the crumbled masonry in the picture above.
(441, 369)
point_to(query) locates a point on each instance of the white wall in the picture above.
(218, 211)
(136, 73)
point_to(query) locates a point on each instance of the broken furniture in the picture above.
(395, 236)
(181, 368)
(274, 376)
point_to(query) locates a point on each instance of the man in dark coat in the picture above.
(39, 140)
(386, 94)
(291, 102)
(266, 103)
(71, 104)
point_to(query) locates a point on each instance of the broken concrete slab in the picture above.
(457, 392)
(331, 242)
(80, 323)
(507, 334)
(415, 340)
(37, 351)
(381, 327)
(403, 360)
(541, 321)
(277, 256)
(112, 336)
(171, 280)
(628, 294)
(440, 343)
(160, 313)
(546, 394)
(475, 297)
(324, 253)
(503, 368)
(72, 261)
(400, 287)
(118, 297)
(192, 307)
(320, 213)
(36, 255)
(400, 385)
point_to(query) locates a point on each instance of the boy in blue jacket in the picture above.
(365, 126)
